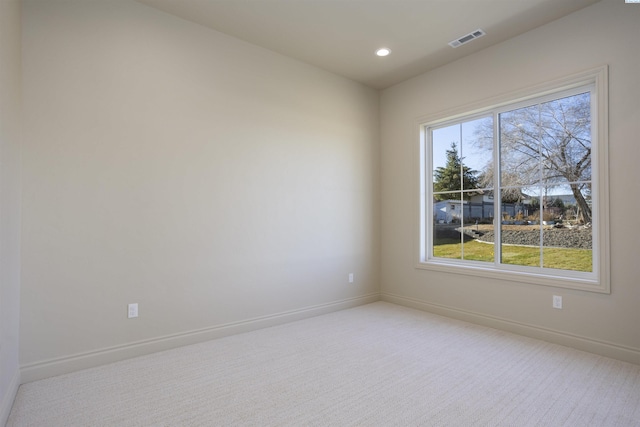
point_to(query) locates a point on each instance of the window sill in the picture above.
(528, 277)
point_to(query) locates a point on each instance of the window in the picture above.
(518, 190)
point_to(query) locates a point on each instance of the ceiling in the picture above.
(341, 36)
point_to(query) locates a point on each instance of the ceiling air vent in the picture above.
(467, 38)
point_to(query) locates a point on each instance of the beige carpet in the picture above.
(374, 365)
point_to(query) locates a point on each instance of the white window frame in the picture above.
(596, 281)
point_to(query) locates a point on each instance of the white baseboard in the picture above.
(9, 397)
(59, 366)
(615, 351)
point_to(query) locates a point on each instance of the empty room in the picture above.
(342, 212)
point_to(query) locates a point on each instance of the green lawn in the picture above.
(561, 258)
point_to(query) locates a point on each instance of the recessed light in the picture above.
(383, 51)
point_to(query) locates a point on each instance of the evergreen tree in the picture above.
(454, 176)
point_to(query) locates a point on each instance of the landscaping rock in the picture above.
(556, 237)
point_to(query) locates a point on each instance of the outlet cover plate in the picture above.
(133, 310)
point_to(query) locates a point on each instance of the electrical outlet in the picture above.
(350, 277)
(557, 302)
(133, 310)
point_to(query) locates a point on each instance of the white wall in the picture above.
(605, 33)
(215, 183)
(9, 203)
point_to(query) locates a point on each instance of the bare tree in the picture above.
(546, 145)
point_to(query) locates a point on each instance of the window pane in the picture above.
(479, 228)
(565, 143)
(462, 155)
(520, 147)
(447, 236)
(463, 229)
(545, 155)
(446, 159)
(567, 242)
(476, 150)
(520, 226)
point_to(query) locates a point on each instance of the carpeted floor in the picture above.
(375, 365)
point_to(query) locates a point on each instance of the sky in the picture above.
(472, 154)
